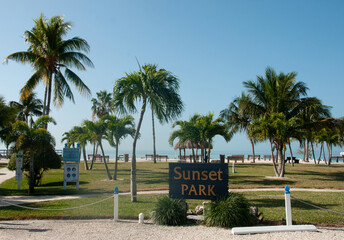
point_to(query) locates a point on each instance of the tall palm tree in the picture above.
(28, 107)
(32, 139)
(276, 94)
(48, 54)
(118, 129)
(98, 130)
(239, 118)
(102, 105)
(161, 93)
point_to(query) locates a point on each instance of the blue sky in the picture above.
(212, 46)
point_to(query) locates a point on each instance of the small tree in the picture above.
(35, 140)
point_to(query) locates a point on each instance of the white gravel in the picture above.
(128, 229)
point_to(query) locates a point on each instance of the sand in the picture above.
(130, 229)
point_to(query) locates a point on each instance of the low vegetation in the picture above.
(170, 212)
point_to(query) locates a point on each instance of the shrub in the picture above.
(230, 211)
(45, 159)
(171, 212)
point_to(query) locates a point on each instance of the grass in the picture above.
(155, 176)
(272, 208)
(2, 165)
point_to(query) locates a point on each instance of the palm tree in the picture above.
(48, 54)
(188, 132)
(78, 135)
(238, 117)
(32, 139)
(118, 129)
(28, 107)
(102, 105)
(276, 94)
(160, 93)
(209, 128)
(98, 130)
(7, 118)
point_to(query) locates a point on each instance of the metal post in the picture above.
(115, 204)
(288, 206)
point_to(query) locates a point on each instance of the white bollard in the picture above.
(115, 204)
(288, 206)
(141, 218)
(233, 168)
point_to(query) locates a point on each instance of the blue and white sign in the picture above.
(71, 155)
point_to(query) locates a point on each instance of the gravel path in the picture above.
(107, 229)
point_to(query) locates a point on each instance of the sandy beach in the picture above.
(130, 229)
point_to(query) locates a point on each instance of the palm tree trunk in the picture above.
(304, 151)
(307, 150)
(252, 144)
(133, 185)
(154, 149)
(106, 166)
(273, 159)
(324, 154)
(31, 176)
(313, 152)
(45, 101)
(94, 149)
(116, 162)
(291, 154)
(281, 161)
(321, 148)
(85, 159)
(329, 154)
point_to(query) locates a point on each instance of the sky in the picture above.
(211, 46)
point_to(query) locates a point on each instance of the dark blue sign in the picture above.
(198, 180)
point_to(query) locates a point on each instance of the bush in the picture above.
(45, 159)
(171, 212)
(230, 211)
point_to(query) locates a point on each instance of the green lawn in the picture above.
(155, 176)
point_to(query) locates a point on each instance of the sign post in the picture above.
(115, 204)
(71, 160)
(19, 166)
(198, 180)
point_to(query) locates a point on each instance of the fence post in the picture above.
(288, 206)
(115, 204)
(233, 168)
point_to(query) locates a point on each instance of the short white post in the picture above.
(141, 218)
(288, 206)
(233, 168)
(115, 204)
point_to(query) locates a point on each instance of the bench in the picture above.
(236, 157)
(253, 157)
(98, 157)
(337, 158)
(162, 157)
(158, 157)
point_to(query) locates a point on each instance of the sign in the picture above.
(71, 172)
(71, 159)
(19, 166)
(198, 180)
(71, 155)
